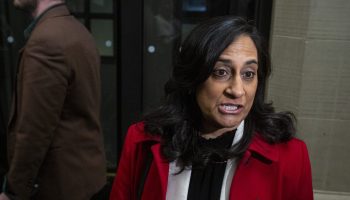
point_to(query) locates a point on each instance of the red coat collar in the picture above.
(258, 148)
(258, 145)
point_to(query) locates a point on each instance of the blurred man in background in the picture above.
(55, 144)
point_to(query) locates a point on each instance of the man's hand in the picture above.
(4, 197)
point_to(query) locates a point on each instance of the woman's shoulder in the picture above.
(294, 145)
(293, 155)
(293, 149)
(136, 134)
(290, 162)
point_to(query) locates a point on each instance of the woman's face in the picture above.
(227, 96)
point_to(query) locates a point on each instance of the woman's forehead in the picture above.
(243, 46)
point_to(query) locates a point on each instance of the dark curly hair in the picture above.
(178, 120)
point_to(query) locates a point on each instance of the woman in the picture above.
(215, 137)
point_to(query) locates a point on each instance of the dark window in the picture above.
(100, 17)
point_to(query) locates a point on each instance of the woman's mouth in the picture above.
(230, 108)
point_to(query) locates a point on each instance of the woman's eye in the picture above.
(249, 75)
(221, 72)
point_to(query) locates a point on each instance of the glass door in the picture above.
(99, 16)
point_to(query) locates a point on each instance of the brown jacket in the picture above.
(55, 143)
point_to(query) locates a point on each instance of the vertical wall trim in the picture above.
(131, 59)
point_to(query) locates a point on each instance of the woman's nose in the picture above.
(235, 87)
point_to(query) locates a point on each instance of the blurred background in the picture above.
(309, 42)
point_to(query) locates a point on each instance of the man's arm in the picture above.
(41, 90)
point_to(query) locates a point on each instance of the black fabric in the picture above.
(206, 182)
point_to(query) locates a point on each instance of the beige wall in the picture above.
(310, 47)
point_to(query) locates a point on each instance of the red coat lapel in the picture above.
(256, 176)
(157, 181)
(162, 167)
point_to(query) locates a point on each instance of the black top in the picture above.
(206, 183)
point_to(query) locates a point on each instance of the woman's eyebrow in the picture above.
(228, 61)
(252, 61)
(223, 60)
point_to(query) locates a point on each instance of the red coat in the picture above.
(266, 172)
